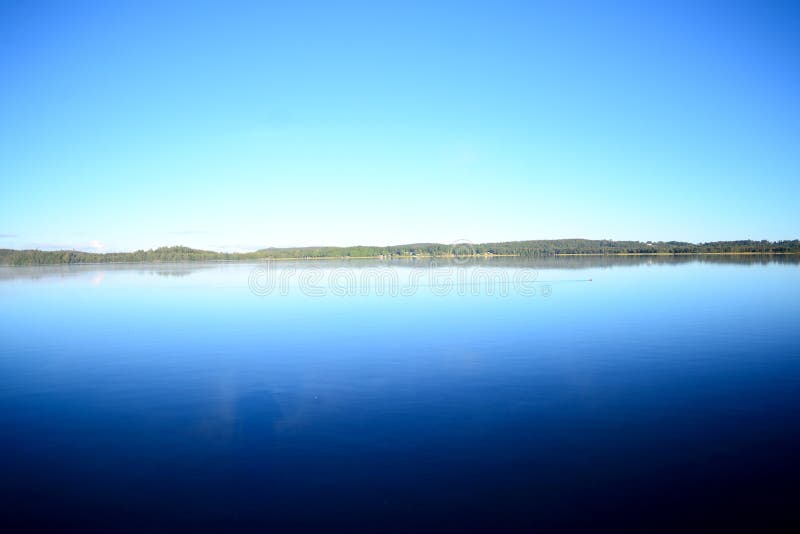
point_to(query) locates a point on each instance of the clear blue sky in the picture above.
(235, 126)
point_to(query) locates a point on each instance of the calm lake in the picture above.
(409, 395)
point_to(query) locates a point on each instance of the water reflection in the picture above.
(39, 272)
(178, 270)
(173, 387)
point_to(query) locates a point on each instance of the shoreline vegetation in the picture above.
(556, 247)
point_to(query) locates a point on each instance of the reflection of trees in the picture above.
(559, 262)
(179, 270)
(587, 262)
(65, 271)
(175, 273)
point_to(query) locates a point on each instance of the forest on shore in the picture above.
(510, 248)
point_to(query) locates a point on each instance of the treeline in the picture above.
(515, 248)
(589, 246)
(163, 254)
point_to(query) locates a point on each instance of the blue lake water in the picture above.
(503, 394)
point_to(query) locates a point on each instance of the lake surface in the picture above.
(366, 395)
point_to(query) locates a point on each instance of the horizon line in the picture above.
(418, 243)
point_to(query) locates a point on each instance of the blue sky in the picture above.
(236, 126)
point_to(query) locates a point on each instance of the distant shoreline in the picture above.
(678, 253)
(403, 258)
(538, 248)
